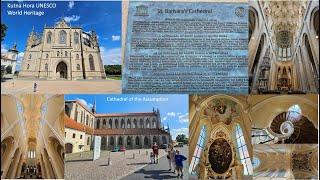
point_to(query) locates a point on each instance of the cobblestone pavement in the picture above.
(61, 86)
(160, 170)
(121, 164)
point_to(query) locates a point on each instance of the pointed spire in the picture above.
(94, 106)
(32, 31)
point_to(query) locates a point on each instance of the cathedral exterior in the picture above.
(62, 52)
(131, 130)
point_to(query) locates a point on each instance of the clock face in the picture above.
(220, 155)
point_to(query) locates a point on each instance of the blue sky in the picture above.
(173, 108)
(102, 17)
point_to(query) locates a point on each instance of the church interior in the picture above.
(284, 119)
(283, 47)
(32, 136)
(224, 131)
(219, 137)
(285, 161)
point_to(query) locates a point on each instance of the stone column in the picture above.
(43, 168)
(18, 173)
(308, 68)
(13, 169)
(57, 163)
(5, 162)
(49, 170)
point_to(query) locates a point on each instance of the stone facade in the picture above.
(283, 47)
(131, 130)
(62, 52)
(9, 59)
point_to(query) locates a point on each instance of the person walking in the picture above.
(155, 149)
(171, 157)
(179, 163)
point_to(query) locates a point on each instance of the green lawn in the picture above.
(114, 77)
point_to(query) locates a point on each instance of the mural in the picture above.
(220, 155)
(222, 110)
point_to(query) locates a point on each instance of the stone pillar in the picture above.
(43, 168)
(13, 169)
(18, 173)
(309, 76)
(5, 162)
(57, 163)
(116, 141)
(46, 160)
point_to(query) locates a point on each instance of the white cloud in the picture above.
(20, 58)
(115, 37)
(110, 56)
(172, 114)
(70, 5)
(175, 132)
(164, 118)
(184, 118)
(72, 18)
(84, 102)
(4, 48)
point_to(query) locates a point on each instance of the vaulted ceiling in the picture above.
(285, 18)
(32, 114)
(300, 160)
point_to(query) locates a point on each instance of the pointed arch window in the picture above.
(255, 162)
(49, 37)
(76, 37)
(197, 152)
(91, 62)
(243, 151)
(62, 37)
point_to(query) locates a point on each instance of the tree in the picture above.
(3, 31)
(180, 137)
(9, 69)
(112, 69)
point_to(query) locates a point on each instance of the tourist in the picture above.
(155, 149)
(171, 157)
(179, 163)
(151, 157)
(35, 87)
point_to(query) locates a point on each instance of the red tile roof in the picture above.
(72, 124)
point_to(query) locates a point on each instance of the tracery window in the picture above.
(197, 153)
(62, 37)
(49, 35)
(91, 62)
(243, 151)
(76, 37)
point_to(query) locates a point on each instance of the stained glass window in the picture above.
(243, 151)
(294, 113)
(255, 162)
(197, 153)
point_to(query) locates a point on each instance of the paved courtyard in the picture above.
(60, 86)
(122, 164)
(160, 170)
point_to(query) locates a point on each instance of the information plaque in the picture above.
(186, 47)
(96, 149)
